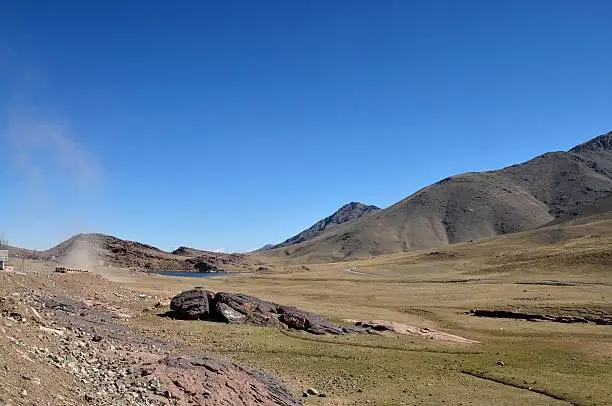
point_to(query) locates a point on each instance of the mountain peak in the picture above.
(599, 143)
(348, 212)
(265, 248)
(357, 206)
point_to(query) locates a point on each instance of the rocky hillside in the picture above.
(348, 212)
(472, 206)
(596, 207)
(90, 250)
(62, 344)
(265, 248)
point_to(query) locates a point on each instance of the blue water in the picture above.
(194, 274)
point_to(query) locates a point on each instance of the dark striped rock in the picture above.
(244, 309)
(207, 381)
(191, 305)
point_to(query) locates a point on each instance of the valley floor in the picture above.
(514, 362)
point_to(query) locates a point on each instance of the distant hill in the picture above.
(265, 248)
(347, 213)
(472, 206)
(86, 251)
(191, 252)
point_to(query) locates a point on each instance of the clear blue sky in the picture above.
(232, 124)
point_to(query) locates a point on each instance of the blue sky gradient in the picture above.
(228, 125)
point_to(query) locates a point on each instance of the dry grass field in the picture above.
(564, 269)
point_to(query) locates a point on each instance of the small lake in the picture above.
(194, 274)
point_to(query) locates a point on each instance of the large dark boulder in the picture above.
(245, 303)
(228, 314)
(191, 305)
(206, 267)
(237, 308)
(297, 319)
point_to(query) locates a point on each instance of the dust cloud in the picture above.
(83, 254)
(58, 175)
(42, 147)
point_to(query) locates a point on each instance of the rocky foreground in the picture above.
(65, 340)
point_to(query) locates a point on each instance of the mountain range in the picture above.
(549, 188)
(470, 206)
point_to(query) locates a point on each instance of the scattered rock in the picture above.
(441, 254)
(312, 391)
(52, 331)
(37, 316)
(382, 326)
(500, 363)
(96, 338)
(34, 380)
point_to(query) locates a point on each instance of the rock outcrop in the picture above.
(214, 382)
(192, 305)
(244, 309)
(601, 319)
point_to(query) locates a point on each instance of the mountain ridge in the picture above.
(469, 206)
(88, 251)
(473, 206)
(348, 212)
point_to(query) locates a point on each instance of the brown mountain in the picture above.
(473, 206)
(349, 212)
(265, 248)
(589, 209)
(86, 251)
